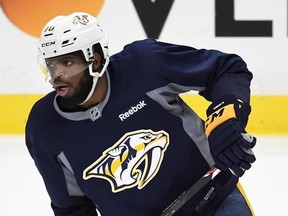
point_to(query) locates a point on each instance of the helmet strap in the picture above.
(95, 80)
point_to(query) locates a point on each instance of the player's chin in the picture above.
(75, 99)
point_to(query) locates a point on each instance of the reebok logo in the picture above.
(132, 110)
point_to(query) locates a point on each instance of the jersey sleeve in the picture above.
(213, 72)
(82, 206)
(62, 203)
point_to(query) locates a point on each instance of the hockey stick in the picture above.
(188, 194)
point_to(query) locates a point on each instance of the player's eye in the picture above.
(68, 63)
(50, 65)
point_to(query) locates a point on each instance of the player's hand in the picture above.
(230, 145)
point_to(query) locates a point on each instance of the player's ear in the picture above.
(97, 62)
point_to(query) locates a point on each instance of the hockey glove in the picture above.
(230, 145)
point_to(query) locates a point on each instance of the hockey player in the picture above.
(115, 135)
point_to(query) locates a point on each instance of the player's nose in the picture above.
(58, 71)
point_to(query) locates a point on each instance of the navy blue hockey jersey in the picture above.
(141, 147)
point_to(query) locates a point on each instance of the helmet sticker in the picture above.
(80, 19)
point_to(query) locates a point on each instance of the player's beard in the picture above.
(81, 92)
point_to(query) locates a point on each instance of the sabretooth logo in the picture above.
(132, 110)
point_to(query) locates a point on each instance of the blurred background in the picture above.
(257, 30)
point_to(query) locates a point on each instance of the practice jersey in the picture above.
(142, 146)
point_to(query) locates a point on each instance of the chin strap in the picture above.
(95, 79)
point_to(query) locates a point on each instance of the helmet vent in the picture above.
(66, 31)
(67, 43)
(48, 34)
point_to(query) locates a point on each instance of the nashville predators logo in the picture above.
(133, 161)
(80, 20)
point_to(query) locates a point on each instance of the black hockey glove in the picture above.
(230, 145)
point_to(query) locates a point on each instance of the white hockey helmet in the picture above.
(78, 31)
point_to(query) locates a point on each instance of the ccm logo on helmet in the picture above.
(48, 44)
(132, 110)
